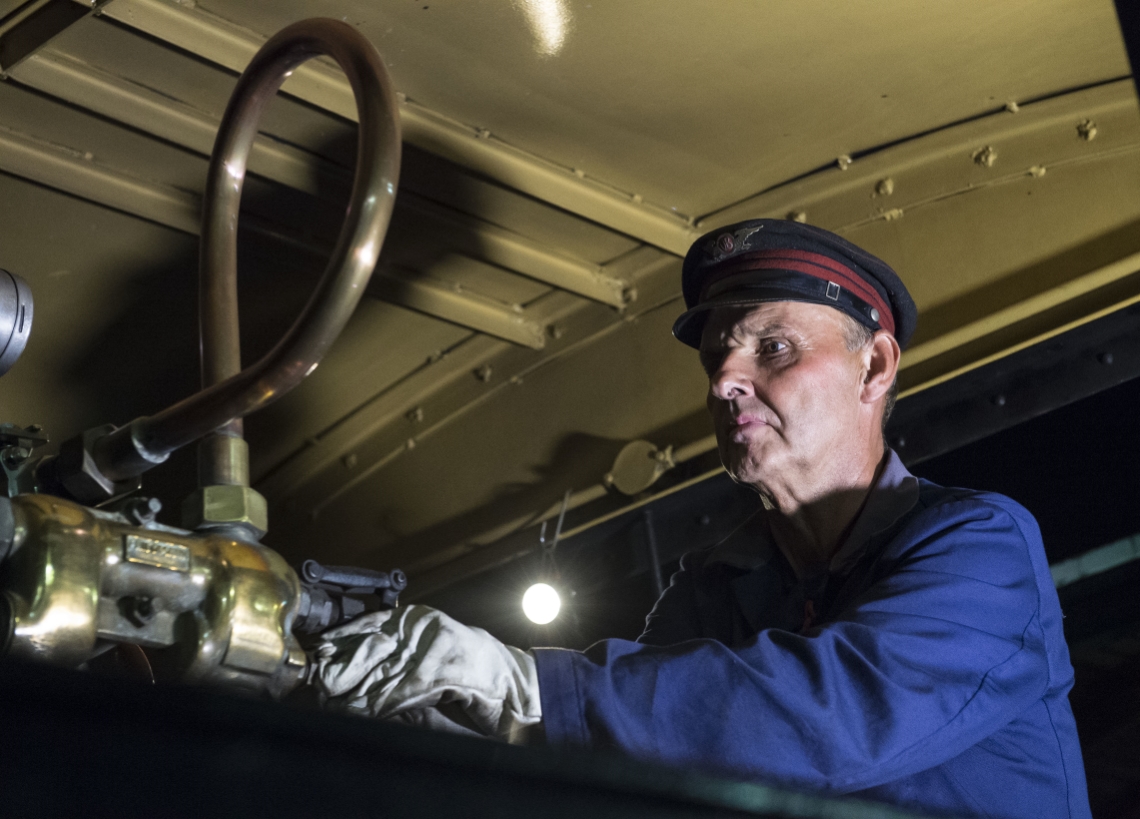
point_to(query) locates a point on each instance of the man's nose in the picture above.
(730, 380)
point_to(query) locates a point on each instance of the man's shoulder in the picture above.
(955, 502)
(982, 524)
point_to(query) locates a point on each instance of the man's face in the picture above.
(784, 389)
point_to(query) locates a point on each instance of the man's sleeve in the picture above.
(946, 648)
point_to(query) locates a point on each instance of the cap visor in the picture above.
(691, 324)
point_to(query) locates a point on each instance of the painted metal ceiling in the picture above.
(559, 157)
(697, 105)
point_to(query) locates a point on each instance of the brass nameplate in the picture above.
(157, 553)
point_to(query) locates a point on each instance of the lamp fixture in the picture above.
(542, 602)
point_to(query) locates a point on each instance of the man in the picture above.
(864, 633)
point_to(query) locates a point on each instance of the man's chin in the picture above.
(742, 466)
(748, 477)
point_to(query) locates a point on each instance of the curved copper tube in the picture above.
(230, 393)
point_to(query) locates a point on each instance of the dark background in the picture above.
(1077, 470)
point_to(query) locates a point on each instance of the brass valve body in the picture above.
(206, 608)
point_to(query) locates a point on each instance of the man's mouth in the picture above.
(745, 421)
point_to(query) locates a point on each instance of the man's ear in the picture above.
(882, 363)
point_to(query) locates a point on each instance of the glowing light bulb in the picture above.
(541, 603)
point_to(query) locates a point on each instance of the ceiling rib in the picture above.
(1093, 289)
(510, 250)
(321, 85)
(939, 164)
(467, 309)
(325, 452)
(124, 101)
(69, 171)
(1008, 316)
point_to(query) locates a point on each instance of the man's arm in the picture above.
(945, 649)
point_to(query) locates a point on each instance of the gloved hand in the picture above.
(418, 665)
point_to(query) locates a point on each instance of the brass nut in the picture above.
(214, 506)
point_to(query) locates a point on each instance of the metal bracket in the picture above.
(32, 26)
(16, 447)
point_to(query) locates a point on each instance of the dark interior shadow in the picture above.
(579, 461)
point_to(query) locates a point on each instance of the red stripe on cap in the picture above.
(815, 265)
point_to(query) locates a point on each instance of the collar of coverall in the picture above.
(895, 494)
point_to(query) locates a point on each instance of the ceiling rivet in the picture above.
(986, 157)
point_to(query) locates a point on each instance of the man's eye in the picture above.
(772, 347)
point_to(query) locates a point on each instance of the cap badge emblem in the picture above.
(728, 243)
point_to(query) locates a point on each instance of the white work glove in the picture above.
(419, 666)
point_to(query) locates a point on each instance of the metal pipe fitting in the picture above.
(230, 393)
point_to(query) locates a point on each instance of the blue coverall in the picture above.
(929, 670)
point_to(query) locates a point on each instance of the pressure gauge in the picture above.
(15, 318)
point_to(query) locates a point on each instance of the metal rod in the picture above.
(561, 518)
(654, 556)
(230, 394)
